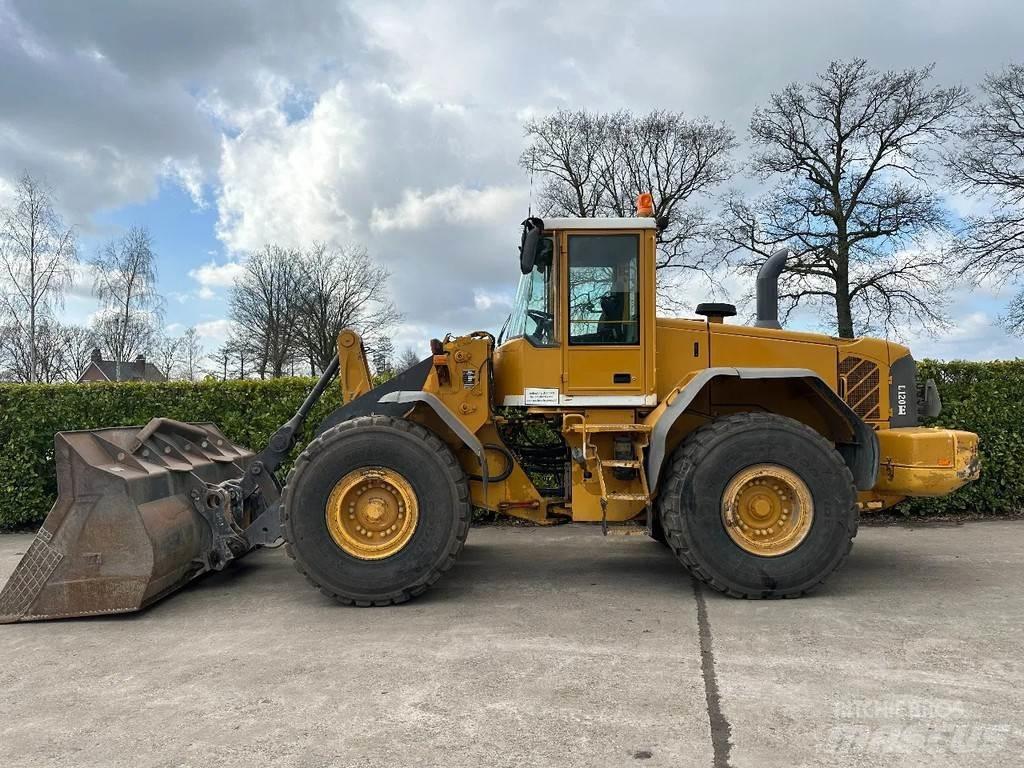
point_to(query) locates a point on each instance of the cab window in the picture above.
(533, 314)
(604, 291)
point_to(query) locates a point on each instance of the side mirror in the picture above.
(545, 254)
(533, 231)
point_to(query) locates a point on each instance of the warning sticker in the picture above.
(540, 396)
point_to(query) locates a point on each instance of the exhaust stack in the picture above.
(768, 289)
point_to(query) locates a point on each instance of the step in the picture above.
(628, 497)
(627, 529)
(625, 463)
(610, 428)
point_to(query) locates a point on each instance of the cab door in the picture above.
(606, 339)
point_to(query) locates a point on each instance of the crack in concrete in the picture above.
(721, 731)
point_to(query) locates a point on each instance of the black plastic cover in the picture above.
(903, 393)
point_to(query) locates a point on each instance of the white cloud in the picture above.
(189, 176)
(214, 275)
(483, 300)
(980, 339)
(280, 180)
(453, 205)
(213, 333)
(6, 192)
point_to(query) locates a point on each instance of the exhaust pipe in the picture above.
(768, 289)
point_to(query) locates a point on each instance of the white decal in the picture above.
(540, 396)
(901, 399)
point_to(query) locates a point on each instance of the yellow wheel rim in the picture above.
(767, 510)
(372, 513)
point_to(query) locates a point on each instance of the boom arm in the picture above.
(349, 363)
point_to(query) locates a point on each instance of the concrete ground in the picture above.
(543, 647)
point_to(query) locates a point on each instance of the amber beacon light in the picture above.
(645, 205)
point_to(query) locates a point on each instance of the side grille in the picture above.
(862, 386)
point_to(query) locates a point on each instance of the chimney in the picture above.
(96, 356)
(140, 365)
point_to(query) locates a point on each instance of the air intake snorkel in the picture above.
(768, 289)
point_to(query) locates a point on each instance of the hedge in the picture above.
(247, 411)
(987, 398)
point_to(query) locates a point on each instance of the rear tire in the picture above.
(657, 532)
(700, 475)
(441, 493)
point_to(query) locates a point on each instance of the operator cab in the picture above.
(582, 324)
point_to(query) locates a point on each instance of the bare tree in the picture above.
(8, 336)
(229, 361)
(236, 350)
(381, 357)
(989, 163)
(61, 352)
(192, 355)
(407, 359)
(341, 288)
(37, 256)
(851, 154)
(221, 359)
(22, 360)
(78, 343)
(566, 148)
(266, 308)
(125, 283)
(52, 361)
(598, 164)
(166, 354)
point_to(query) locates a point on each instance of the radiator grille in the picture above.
(862, 386)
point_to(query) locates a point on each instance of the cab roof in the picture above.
(603, 222)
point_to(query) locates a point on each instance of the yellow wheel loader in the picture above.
(748, 450)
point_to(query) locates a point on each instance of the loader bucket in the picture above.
(128, 525)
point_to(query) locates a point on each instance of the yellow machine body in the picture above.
(602, 396)
(572, 413)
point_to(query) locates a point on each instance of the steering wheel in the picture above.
(545, 324)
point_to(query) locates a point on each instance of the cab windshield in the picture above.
(533, 313)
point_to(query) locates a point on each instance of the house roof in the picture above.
(128, 370)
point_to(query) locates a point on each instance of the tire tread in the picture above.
(452, 467)
(682, 464)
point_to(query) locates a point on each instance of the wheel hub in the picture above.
(767, 510)
(372, 513)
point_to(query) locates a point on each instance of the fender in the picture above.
(369, 403)
(450, 419)
(392, 399)
(860, 454)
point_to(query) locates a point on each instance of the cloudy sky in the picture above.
(225, 125)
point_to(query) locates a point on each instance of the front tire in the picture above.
(375, 511)
(758, 505)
